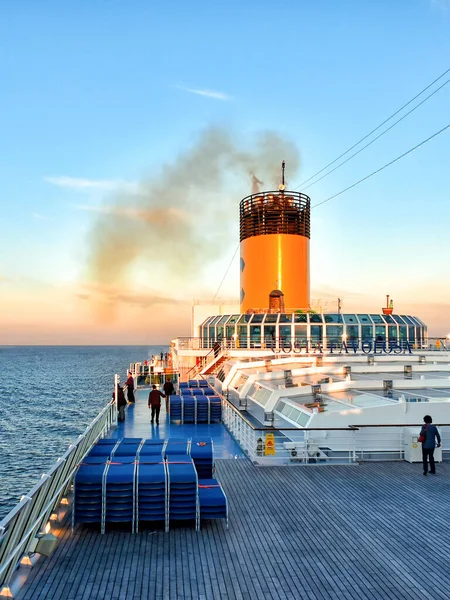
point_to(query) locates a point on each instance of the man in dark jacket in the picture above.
(154, 402)
(130, 387)
(168, 390)
(430, 433)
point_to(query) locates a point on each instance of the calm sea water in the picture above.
(48, 395)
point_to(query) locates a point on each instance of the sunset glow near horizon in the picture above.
(131, 132)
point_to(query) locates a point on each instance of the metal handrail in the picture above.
(19, 528)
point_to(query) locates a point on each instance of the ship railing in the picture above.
(24, 526)
(340, 445)
(297, 344)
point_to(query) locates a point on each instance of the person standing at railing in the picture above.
(130, 388)
(429, 434)
(121, 403)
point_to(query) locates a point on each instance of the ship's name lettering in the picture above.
(353, 347)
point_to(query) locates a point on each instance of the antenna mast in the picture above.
(282, 185)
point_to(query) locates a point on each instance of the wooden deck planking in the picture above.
(315, 532)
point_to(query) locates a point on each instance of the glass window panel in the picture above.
(364, 319)
(223, 319)
(269, 334)
(366, 333)
(315, 318)
(301, 333)
(285, 318)
(255, 333)
(233, 319)
(215, 320)
(245, 318)
(352, 333)
(271, 318)
(407, 320)
(333, 318)
(380, 333)
(377, 319)
(316, 334)
(393, 334)
(300, 318)
(208, 321)
(302, 419)
(402, 330)
(412, 334)
(389, 319)
(335, 332)
(398, 319)
(258, 318)
(350, 319)
(230, 330)
(219, 332)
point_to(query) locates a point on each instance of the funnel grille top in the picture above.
(269, 213)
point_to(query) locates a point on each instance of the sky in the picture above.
(129, 131)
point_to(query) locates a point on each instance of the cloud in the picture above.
(208, 93)
(41, 217)
(109, 185)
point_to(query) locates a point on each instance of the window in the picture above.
(353, 333)
(285, 318)
(333, 318)
(300, 318)
(258, 318)
(366, 333)
(314, 318)
(364, 319)
(350, 319)
(271, 318)
(393, 334)
(316, 334)
(377, 319)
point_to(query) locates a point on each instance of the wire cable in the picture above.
(226, 273)
(374, 130)
(383, 167)
(377, 137)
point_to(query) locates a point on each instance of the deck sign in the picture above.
(269, 448)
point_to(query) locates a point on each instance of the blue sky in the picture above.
(100, 96)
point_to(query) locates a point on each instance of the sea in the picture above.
(48, 395)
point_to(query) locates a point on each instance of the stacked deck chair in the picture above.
(119, 484)
(175, 408)
(193, 383)
(208, 391)
(182, 482)
(202, 409)
(197, 391)
(151, 490)
(88, 483)
(213, 502)
(202, 454)
(215, 409)
(88, 491)
(203, 383)
(189, 406)
(183, 385)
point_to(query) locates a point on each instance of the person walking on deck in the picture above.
(154, 402)
(130, 388)
(168, 390)
(429, 434)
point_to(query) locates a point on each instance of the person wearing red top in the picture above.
(154, 402)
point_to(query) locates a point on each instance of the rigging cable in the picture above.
(226, 273)
(374, 130)
(349, 188)
(377, 137)
(383, 167)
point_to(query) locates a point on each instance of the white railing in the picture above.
(20, 529)
(323, 446)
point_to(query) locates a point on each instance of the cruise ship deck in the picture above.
(370, 530)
